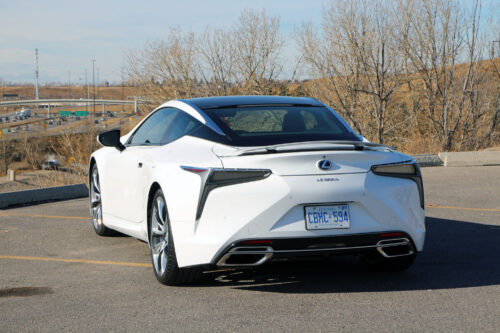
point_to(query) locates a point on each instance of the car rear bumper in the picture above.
(273, 209)
(257, 252)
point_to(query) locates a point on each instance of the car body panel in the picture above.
(269, 208)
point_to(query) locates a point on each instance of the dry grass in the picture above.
(40, 179)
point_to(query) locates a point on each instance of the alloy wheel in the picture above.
(95, 200)
(159, 235)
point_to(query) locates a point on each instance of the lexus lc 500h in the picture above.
(241, 181)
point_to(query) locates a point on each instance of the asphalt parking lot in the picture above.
(56, 274)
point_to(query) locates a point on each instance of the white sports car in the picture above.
(245, 180)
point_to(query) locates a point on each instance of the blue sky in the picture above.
(70, 33)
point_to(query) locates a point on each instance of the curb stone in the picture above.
(43, 194)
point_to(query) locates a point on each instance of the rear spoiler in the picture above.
(311, 146)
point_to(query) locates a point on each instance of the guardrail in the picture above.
(79, 102)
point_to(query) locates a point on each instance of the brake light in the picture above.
(257, 241)
(193, 169)
(212, 178)
(391, 234)
(408, 170)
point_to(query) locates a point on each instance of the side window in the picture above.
(182, 125)
(154, 129)
(310, 121)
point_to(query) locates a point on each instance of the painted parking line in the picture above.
(88, 218)
(47, 216)
(83, 261)
(463, 208)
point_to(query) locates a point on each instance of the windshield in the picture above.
(271, 125)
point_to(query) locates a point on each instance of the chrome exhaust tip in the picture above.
(246, 256)
(396, 247)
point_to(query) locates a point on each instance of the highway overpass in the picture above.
(48, 103)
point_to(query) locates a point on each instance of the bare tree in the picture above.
(6, 153)
(218, 55)
(31, 151)
(257, 45)
(493, 91)
(435, 36)
(356, 59)
(167, 68)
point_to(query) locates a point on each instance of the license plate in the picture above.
(327, 217)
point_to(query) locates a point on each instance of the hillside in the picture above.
(28, 92)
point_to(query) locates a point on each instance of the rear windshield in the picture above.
(270, 125)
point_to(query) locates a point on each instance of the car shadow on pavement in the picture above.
(457, 254)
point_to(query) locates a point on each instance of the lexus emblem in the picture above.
(325, 165)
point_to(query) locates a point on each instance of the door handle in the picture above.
(139, 165)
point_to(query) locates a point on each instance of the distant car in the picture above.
(244, 180)
(25, 113)
(50, 165)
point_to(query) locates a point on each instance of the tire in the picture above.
(162, 247)
(96, 205)
(376, 262)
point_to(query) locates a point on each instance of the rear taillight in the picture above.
(234, 176)
(408, 170)
(212, 178)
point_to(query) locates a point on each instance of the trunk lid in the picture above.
(303, 159)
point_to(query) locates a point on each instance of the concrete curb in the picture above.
(427, 160)
(43, 194)
(470, 158)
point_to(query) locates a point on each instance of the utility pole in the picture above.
(93, 83)
(69, 83)
(86, 92)
(123, 96)
(36, 74)
(98, 97)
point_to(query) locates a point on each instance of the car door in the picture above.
(129, 167)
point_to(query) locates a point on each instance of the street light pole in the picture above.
(123, 97)
(36, 75)
(86, 92)
(93, 84)
(98, 83)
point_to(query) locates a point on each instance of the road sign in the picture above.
(64, 113)
(81, 113)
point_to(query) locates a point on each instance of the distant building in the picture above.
(10, 96)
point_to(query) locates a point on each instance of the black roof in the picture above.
(230, 101)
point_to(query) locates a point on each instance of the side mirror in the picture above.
(111, 139)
